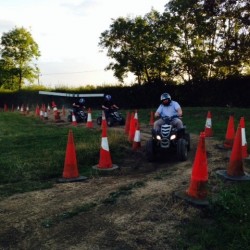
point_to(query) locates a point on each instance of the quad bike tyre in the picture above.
(99, 120)
(69, 118)
(150, 151)
(182, 149)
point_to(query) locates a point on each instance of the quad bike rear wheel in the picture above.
(69, 118)
(99, 120)
(110, 121)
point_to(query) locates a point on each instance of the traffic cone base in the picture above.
(77, 179)
(197, 189)
(224, 174)
(194, 201)
(113, 167)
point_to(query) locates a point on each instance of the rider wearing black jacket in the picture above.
(79, 105)
(108, 105)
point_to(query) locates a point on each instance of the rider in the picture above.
(169, 108)
(79, 105)
(108, 105)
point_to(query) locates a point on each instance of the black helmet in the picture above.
(81, 100)
(165, 99)
(108, 97)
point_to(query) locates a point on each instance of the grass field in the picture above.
(32, 158)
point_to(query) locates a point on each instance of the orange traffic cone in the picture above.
(199, 177)
(5, 108)
(37, 110)
(70, 163)
(245, 154)
(235, 169)
(74, 123)
(151, 122)
(63, 111)
(208, 126)
(127, 124)
(229, 140)
(137, 138)
(89, 123)
(70, 171)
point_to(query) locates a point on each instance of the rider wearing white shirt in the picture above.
(169, 108)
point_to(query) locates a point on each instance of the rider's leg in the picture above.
(157, 124)
(177, 123)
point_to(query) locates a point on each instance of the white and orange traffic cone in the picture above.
(132, 127)
(45, 114)
(208, 126)
(74, 123)
(245, 153)
(104, 121)
(137, 138)
(89, 123)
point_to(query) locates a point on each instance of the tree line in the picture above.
(192, 41)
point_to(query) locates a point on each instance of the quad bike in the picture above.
(168, 139)
(80, 115)
(114, 117)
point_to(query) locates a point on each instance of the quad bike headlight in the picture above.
(158, 137)
(172, 137)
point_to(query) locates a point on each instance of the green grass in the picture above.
(32, 158)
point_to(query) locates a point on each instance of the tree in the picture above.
(18, 51)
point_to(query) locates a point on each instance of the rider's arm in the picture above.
(104, 107)
(179, 111)
(157, 114)
(115, 106)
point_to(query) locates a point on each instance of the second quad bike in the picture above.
(80, 115)
(168, 139)
(114, 117)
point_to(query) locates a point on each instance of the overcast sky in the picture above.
(67, 33)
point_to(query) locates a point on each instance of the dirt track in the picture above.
(132, 208)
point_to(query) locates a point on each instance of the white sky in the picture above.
(67, 33)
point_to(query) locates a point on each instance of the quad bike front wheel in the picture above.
(187, 138)
(182, 149)
(99, 120)
(150, 151)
